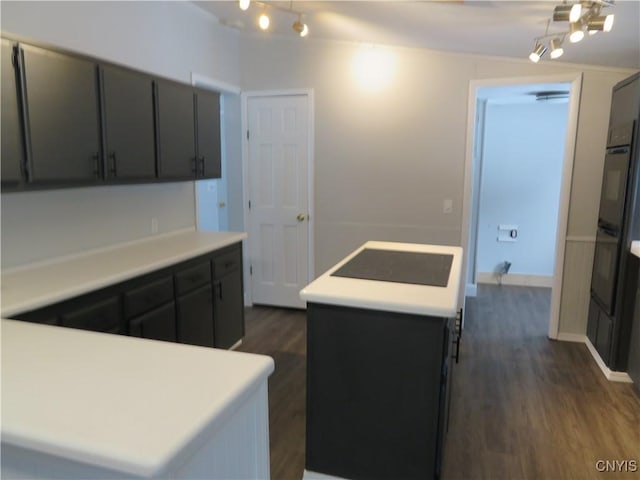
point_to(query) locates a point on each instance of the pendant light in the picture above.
(244, 4)
(264, 21)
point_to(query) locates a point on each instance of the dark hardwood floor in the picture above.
(523, 406)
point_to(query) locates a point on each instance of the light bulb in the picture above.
(608, 23)
(575, 13)
(556, 48)
(264, 21)
(305, 30)
(244, 4)
(537, 52)
(576, 33)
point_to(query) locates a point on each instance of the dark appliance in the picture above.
(612, 281)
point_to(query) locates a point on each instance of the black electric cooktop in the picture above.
(402, 267)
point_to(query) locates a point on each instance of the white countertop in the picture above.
(31, 287)
(113, 401)
(635, 248)
(390, 296)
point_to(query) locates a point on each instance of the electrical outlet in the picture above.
(154, 225)
(447, 206)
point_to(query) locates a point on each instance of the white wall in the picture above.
(169, 39)
(521, 173)
(385, 161)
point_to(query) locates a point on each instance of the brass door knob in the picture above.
(301, 217)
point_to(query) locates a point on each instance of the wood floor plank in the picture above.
(523, 406)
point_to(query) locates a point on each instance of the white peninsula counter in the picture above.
(380, 329)
(79, 404)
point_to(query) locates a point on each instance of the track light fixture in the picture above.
(301, 28)
(583, 15)
(537, 53)
(556, 48)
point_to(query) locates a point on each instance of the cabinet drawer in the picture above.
(103, 316)
(227, 262)
(193, 277)
(147, 297)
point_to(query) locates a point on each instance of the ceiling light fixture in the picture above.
(301, 28)
(537, 53)
(264, 21)
(556, 48)
(576, 33)
(583, 15)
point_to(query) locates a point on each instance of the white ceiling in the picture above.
(502, 28)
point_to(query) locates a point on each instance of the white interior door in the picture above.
(278, 148)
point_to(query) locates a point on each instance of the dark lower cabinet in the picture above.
(158, 324)
(599, 328)
(12, 148)
(184, 303)
(61, 107)
(634, 348)
(101, 316)
(229, 326)
(377, 393)
(195, 317)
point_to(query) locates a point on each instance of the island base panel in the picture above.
(374, 392)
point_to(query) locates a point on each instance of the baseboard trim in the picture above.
(516, 279)
(609, 374)
(571, 337)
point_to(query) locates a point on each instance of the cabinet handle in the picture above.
(219, 287)
(112, 167)
(201, 166)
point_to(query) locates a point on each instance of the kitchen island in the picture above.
(379, 334)
(79, 405)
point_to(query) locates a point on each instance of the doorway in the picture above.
(278, 168)
(473, 175)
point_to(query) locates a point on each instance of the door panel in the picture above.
(62, 104)
(209, 153)
(129, 123)
(278, 175)
(12, 153)
(176, 131)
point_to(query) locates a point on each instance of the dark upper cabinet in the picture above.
(127, 101)
(63, 133)
(12, 147)
(208, 138)
(176, 130)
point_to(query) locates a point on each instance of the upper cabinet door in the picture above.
(62, 109)
(176, 131)
(12, 150)
(128, 124)
(208, 127)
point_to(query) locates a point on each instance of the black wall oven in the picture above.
(608, 239)
(613, 280)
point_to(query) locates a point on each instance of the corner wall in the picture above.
(169, 39)
(386, 161)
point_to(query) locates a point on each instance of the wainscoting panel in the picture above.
(576, 285)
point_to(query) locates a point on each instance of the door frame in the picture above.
(244, 100)
(575, 80)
